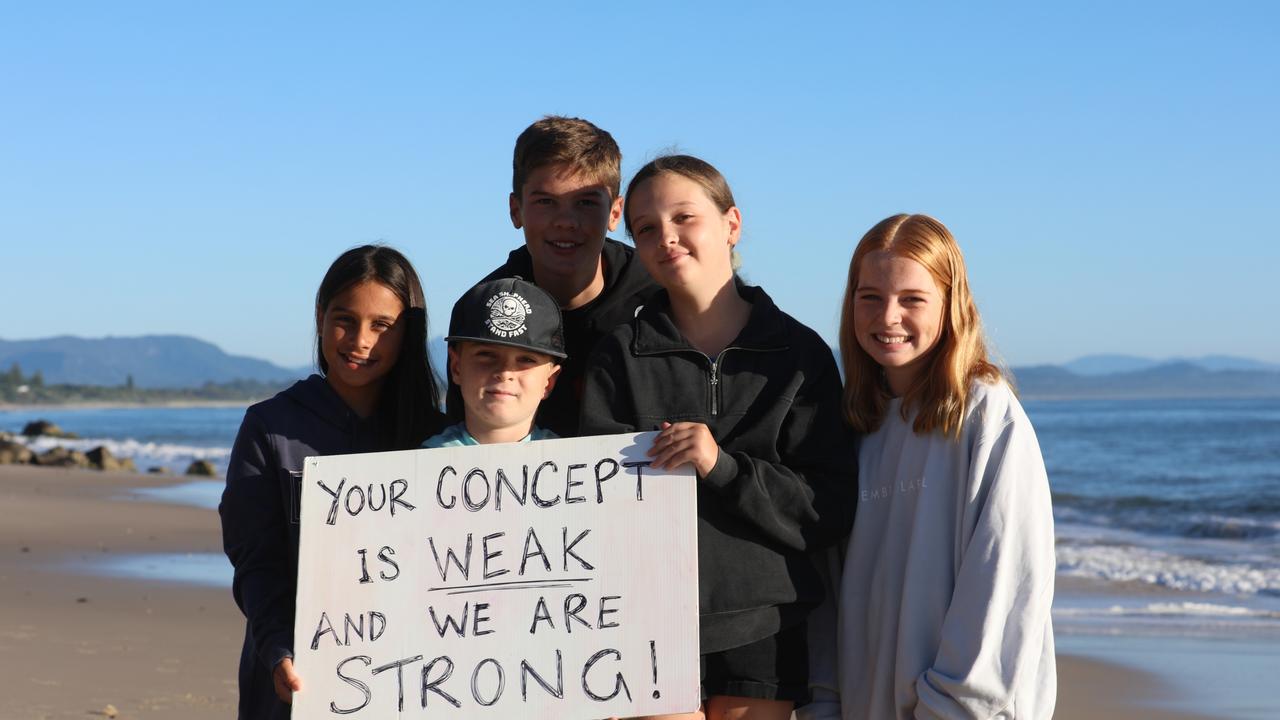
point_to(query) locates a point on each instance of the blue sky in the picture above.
(1107, 167)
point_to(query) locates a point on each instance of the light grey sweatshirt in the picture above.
(943, 602)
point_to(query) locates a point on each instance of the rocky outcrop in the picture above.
(12, 453)
(62, 457)
(102, 459)
(47, 429)
(202, 468)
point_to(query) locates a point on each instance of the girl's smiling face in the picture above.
(683, 239)
(360, 338)
(897, 315)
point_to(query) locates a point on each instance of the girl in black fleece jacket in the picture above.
(377, 392)
(751, 398)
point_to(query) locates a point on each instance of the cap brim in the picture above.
(508, 343)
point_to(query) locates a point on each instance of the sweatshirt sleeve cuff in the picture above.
(273, 652)
(723, 472)
(825, 705)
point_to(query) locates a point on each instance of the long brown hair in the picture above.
(409, 403)
(940, 392)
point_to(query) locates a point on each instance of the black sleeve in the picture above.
(255, 536)
(807, 500)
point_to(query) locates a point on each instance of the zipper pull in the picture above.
(715, 389)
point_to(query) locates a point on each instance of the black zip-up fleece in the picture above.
(259, 511)
(626, 287)
(785, 482)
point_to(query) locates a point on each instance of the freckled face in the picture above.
(897, 315)
(360, 337)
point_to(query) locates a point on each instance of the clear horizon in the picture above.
(194, 170)
(439, 338)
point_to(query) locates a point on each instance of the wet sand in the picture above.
(73, 643)
(1092, 689)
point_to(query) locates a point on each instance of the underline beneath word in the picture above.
(509, 585)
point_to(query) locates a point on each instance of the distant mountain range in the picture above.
(1179, 379)
(175, 361)
(1108, 364)
(153, 361)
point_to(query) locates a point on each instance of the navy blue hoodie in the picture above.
(259, 512)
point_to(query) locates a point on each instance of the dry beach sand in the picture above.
(73, 643)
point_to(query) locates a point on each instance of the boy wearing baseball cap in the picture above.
(506, 341)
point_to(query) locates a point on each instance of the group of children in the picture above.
(884, 550)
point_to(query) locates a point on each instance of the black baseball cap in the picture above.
(509, 311)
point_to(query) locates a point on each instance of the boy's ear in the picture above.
(551, 381)
(514, 206)
(734, 216)
(453, 365)
(615, 213)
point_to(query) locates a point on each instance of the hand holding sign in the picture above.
(685, 442)
(286, 681)
(549, 579)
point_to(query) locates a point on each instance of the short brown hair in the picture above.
(940, 393)
(573, 142)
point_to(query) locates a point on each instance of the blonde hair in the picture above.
(940, 392)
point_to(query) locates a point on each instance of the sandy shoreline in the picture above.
(72, 644)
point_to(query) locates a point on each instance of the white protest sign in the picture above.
(554, 579)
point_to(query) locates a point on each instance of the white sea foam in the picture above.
(143, 454)
(1199, 609)
(1129, 563)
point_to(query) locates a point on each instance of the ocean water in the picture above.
(169, 437)
(1167, 512)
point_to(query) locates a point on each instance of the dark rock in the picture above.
(158, 470)
(46, 428)
(12, 453)
(62, 457)
(102, 459)
(203, 468)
